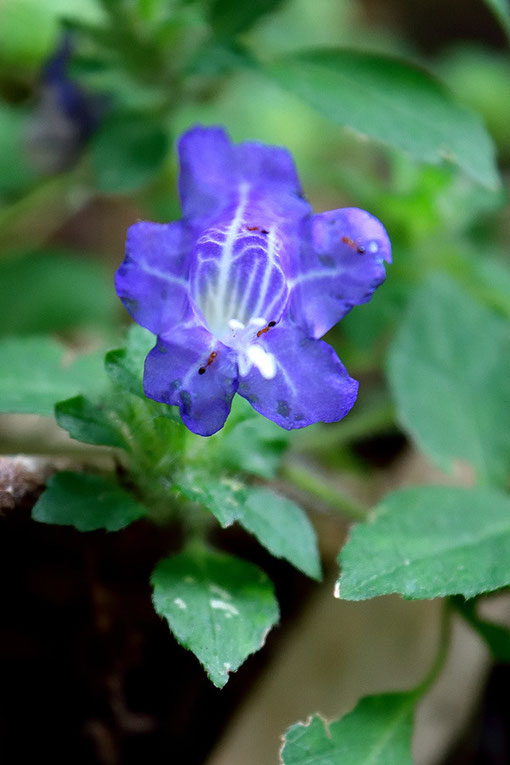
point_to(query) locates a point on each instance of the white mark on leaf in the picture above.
(180, 603)
(220, 591)
(221, 605)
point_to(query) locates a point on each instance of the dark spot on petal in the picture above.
(185, 402)
(283, 408)
(201, 371)
(175, 384)
(327, 261)
(131, 304)
(264, 231)
(361, 250)
(272, 324)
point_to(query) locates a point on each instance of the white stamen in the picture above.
(235, 324)
(257, 321)
(264, 361)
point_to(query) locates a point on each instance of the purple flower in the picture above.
(240, 291)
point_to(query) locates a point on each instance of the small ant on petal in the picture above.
(266, 329)
(352, 244)
(210, 360)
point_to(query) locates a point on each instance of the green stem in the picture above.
(442, 651)
(318, 487)
(370, 422)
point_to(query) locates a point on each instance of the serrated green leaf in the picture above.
(127, 152)
(223, 497)
(125, 366)
(449, 371)
(60, 291)
(89, 421)
(87, 502)
(377, 732)
(429, 542)
(392, 102)
(501, 10)
(217, 606)
(278, 523)
(282, 527)
(35, 376)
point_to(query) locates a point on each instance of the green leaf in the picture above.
(127, 152)
(278, 523)
(93, 423)
(377, 732)
(125, 366)
(28, 32)
(501, 10)
(392, 102)
(282, 527)
(223, 497)
(429, 542)
(35, 376)
(15, 171)
(60, 291)
(87, 502)
(495, 636)
(229, 17)
(449, 371)
(217, 606)
(253, 445)
(86, 11)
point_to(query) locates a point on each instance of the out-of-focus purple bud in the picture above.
(63, 118)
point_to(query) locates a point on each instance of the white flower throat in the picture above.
(237, 282)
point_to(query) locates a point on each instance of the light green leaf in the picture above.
(87, 502)
(28, 32)
(125, 365)
(377, 732)
(392, 102)
(59, 291)
(449, 371)
(86, 11)
(91, 422)
(127, 152)
(501, 10)
(282, 527)
(429, 542)
(35, 376)
(217, 606)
